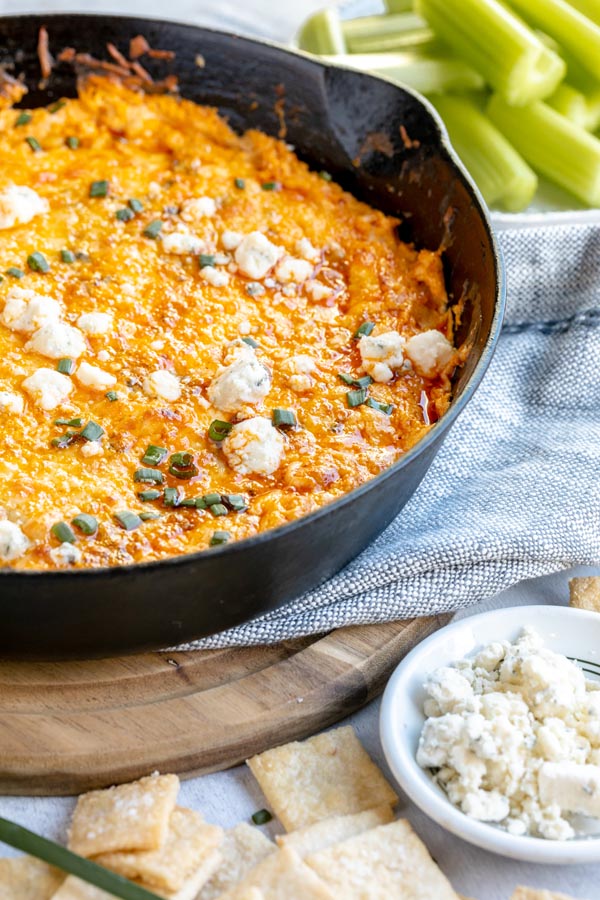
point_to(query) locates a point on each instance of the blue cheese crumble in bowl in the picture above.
(492, 727)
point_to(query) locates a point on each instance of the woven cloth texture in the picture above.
(515, 490)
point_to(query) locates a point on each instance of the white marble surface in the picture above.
(228, 797)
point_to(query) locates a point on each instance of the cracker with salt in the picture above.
(526, 893)
(26, 878)
(330, 774)
(332, 831)
(194, 883)
(189, 840)
(243, 848)
(131, 816)
(388, 861)
(584, 593)
(76, 889)
(281, 876)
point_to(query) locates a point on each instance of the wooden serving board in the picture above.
(71, 726)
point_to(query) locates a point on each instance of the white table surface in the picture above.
(228, 797)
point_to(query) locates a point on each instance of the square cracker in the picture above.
(330, 774)
(189, 841)
(526, 893)
(76, 889)
(332, 831)
(26, 878)
(131, 816)
(280, 876)
(243, 848)
(388, 861)
(584, 593)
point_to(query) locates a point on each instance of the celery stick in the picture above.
(570, 103)
(497, 43)
(423, 73)
(322, 33)
(398, 6)
(552, 145)
(577, 34)
(376, 34)
(589, 8)
(502, 176)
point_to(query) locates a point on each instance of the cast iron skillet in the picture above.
(334, 118)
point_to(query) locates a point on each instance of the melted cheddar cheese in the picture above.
(230, 291)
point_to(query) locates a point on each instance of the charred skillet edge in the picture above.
(437, 431)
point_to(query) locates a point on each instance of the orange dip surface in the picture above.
(231, 287)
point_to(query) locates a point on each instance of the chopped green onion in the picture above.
(57, 106)
(218, 509)
(147, 516)
(362, 382)
(240, 184)
(34, 144)
(324, 175)
(206, 259)
(37, 262)
(386, 408)
(124, 215)
(99, 188)
(153, 229)
(501, 174)
(65, 366)
(23, 118)
(70, 423)
(22, 839)
(112, 396)
(135, 205)
(284, 418)
(191, 502)
(356, 398)
(16, 273)
(261, 817)
(153, 455)
(171, 496)
(83, 256)
(254, 288)
(509, 56)
(181, 465)
(212, 499)
(64, 441)
(63, 533)
(128, 520)
(322, 33)
(220, 537)
(149, 476)
(72, 142)
(218, 430)
(86, 523)
(235, 502)
(271, 186)
(67, 256)
(92, 431)
(251, 342)
(552, 145)
(147, 496)
(364, 330)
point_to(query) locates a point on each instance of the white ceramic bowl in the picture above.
(573, 632)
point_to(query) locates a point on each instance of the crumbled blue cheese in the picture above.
(19, 205)
(513, 735)
(183, 243)
(244, 381)
(162, 384)
(429, 352)
(13, 543)
(94, 377)
(381, 354)
(55, 340)
(26, 310)
(317, 290)
(300, 368)
(255, 255)
(48, 388)
(291, 269)
(254, 446)
(198, 208)
(65, 554)
(231, 239)
(306, 250)
(216, 277)
(95, 323)
(11, 402)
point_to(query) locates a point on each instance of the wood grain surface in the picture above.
(69, 727)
